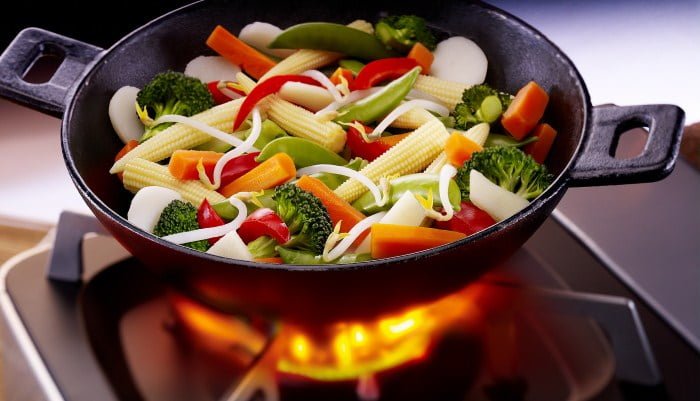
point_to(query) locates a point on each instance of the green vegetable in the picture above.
(331, 37)
(480, 103)
(333, 181)
(401, 32)
(420, 184)
(507, 140)
(228, 212)
(380, 103)
(304, 152)
(263, 247)
(352, 65)
(172, 93)
(179, 217)
(508, 167)
(306, 217)
(294, 257)
(268, 132)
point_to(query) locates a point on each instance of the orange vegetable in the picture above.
(540, 149)
(272, 172)
(338, 208)
(393, 240)
(392, 140)
(276, 261)
(423, 56)
(238, 52)
(345, 73)
(126, 149)
(183, 163)
(459, 149)
(525, 111)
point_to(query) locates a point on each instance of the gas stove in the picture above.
(98, 326)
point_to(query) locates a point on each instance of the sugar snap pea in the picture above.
(304, 152)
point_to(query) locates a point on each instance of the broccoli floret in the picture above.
(179, 217)
(510, 168)
(172, 93)
(480, 103)
(306, 217)
(401, 32)
(263, 247)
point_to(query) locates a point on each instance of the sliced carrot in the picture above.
(126, 149)
(276, 261)
(525, 110)
(540, 149)
(272, 172)
(459, 149)
(392, 140)
(394, 240)
(342, 72)
(238, 52)
(423, 56)
(183, 163)
(338, 208)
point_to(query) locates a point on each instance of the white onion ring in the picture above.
(209, 130)
(403, 108)
(446, 173)
(348, 172)
(212, 232)
(323, 80)
(353, 234)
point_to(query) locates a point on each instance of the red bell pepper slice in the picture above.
(207, 217)
(261, 222)
(369, 150)
(219, 96)
(382, 70)
(469, 220)
(267, 87)
(237, 167)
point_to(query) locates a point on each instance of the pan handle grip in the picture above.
(596, 164)
(50, 97)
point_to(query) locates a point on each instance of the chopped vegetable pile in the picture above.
(324, 143)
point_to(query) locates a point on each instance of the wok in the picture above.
(582, 154)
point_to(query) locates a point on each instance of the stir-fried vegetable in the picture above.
(281, 187)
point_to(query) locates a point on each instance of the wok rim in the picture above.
(549, 195)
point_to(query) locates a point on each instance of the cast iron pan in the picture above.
(517, 53)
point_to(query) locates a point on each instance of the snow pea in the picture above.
(421, 184)
(506, 140)
(304, 152)
(332, 37)
(268, 132)
(380, 103)
(295, 257)
(228, 212)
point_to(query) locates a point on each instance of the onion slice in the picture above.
(403, 108)
(212, 232)
(209, 130)
(323, 80)
(354, 233)
(245, 147)
(380, 194)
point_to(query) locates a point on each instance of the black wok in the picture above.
(517, 53)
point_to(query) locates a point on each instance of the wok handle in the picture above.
(596, 164)
(50, 97)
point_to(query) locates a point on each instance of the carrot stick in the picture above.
(272, 172)
(540, 149)
(525, 110)
(238, 52)
(338, 208)
(392, 140)
(423, 56)
(393, 240)
(342, 72)
(126, 149)
(183, 163)
(459, 149)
